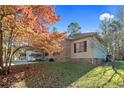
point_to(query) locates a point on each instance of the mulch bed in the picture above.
(17, 74)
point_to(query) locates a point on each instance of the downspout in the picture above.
(92, 57)
(92, 60)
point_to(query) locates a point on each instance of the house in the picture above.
(86, 48)
(83, 47)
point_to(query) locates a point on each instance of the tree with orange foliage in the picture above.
(4, 11)
(27, 27)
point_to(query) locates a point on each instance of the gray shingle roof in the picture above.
(82, 35)
(85, 35)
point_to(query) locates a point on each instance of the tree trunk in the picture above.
(1, 46)
(11, 56)
(10, 62)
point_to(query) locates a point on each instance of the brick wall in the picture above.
(65, 54)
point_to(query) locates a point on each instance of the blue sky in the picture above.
(86, 15)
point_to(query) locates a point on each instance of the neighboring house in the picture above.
(30, 55)
(34, 55)
(83, 47)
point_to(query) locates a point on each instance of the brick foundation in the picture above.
(95, 61)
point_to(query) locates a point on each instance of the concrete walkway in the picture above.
(22, 62)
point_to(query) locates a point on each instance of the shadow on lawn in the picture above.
(56, 75)
(119, 65)
(116, 67)
(60, 75)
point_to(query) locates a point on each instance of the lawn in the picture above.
(53, 74)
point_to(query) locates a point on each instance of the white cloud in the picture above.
(106, 16)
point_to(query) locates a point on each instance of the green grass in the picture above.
(74, 75)
(102, 77)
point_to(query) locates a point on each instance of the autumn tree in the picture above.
(28, 27)
(4, 11)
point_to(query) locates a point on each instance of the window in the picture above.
(74, 47)
(80, 47)
(56, 53)
(85, 46)
(46, 54)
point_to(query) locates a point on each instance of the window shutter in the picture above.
(74, 47)
(85, 46)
